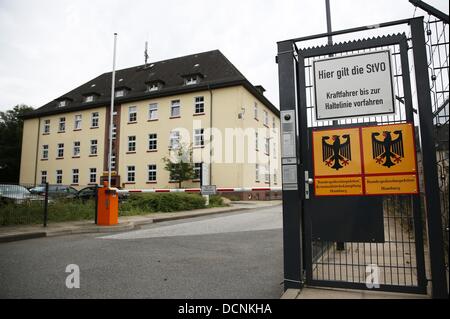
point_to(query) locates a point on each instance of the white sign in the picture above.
(208, 189)
(354, 85)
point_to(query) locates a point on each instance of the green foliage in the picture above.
(139, 204)
(179, 164)
(58, 211)
(216, 201)
(11, 127)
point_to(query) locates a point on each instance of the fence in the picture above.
(23, 204)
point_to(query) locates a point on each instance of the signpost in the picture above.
(354, 85)
(368, 160)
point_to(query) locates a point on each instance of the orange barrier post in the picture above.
(108, 206)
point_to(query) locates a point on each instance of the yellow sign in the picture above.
(370, 160)
(391, 184)
(389, 149)
(338, 186)
(337, 152)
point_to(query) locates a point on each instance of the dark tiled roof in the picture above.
(217, 71)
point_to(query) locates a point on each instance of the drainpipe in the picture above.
(37, 150)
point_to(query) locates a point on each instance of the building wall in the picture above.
(227, 104)
(83, 163)
(28, 156)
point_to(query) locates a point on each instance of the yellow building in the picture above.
(200, 100)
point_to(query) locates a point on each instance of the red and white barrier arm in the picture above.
(197, 190)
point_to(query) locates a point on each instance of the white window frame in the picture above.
(274, 151)
(46, 126)
(190, 80)
(175, 104)
(45, 151)
(256, 141)
(75, 176)
(255, 111)
(257, 172)
(199, 138)
(119, 93)
(199, 105)
(60, 150)
(77, 123)
(94, 119)
(62, 103)
(131, 173)
(132, 114)
(89, 99)
(266, 174)
(266, 118)
(153, 111)
(151, 173)
(76, 148)
(131, 143)
(59, 176)
(44, 177)
(152, 141)
(273, 123)
(267, 146)
(152, 87)
(62, 125)
(92, 175)
(93, 146)
(174, 140)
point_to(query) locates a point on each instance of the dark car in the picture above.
(89, 193)
(56, 191)
(16, 194)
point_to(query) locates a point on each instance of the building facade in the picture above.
(200, 101)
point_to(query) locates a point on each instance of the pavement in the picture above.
(228, 255)
(331, 293)
(23, 232)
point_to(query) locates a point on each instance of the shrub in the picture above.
(138, 204)
(216, 201)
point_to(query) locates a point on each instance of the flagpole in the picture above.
(111, 113)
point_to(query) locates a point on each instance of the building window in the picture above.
(94, 119)
(255, 110)
(62, 103)
(89, 98)
(174, 140)
(46, 126)
(266, 118)
(152, 87)
(199, 137)
(44, 151)
(175, 108)
(62, 124)
(256, 141)
(274, 150)
(152, 142)
(132, 143)
(132, 114)
(43, 177)
(92, 175)
(266, 174)
(273, 123)
(114, 132)
(120, 93)
(267, 146)
(152, 173)
(275, 176)
(76, 148)
(197, 170)
(60, 151)
(153, 111)
(256, 172)
(131, 174)
(59, 176)
(93, 149)
(199, 105)
(75, 175)
(191, 80)
(77, 125)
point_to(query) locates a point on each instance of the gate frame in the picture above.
(290, 75)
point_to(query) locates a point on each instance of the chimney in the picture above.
(260, 88)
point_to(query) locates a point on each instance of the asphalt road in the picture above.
(235, 255)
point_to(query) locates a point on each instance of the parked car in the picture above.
(89, 193)
(55, 191)
(16, 194)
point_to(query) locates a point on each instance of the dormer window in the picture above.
(154, 85)
(62, 103)
(192, 79)
(121, 91)
(89, 98)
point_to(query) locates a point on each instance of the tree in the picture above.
(11, 127)
(179, 164)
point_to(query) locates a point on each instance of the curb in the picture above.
(129, 225)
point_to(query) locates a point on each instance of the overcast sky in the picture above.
(48, 47)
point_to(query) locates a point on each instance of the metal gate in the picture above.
(344, 261)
